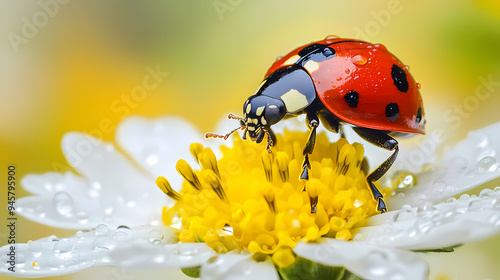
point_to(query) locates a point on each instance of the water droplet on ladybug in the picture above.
(359, 59)
(407, 67)
(347, 71)
(380, 46)
(279, 57)
(331, 37)
(419, 86)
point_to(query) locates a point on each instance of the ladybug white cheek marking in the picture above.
(294, 100)
(311, 66)
(259, 110)
(263, 120)
(292, 60)
(249, 107)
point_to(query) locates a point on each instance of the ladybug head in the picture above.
(259, 113)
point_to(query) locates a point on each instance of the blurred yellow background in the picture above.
(76, 65)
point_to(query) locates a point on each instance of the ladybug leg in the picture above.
(382, 140)
(312, 123)
(271, 139)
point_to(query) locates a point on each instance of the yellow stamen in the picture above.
(237, 202)
(164, 185)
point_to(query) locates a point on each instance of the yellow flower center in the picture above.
(254, 200)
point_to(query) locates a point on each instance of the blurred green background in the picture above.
(73, 66)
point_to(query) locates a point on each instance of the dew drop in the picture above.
(403, 180)
(35, 249)
(451, 200)
(35, 265)
(407, 67)
(63, 203)
(155, 236)
(424, 224)
(439, 185)
(63, 248)
(101, 230)
(404, 215)
(79, 235)
(331, 37)
(487, 164)
(103, 243)
(419, 86)
(347, 71)
(486, 193)
(122, 233)
(82, 217)
(279, 57)
(464, 197)
(376, 264)
(52, 238)
(359, 60)
(475, 205)
(494, 220)
(381, 47)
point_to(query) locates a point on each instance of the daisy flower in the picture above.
(240, 213)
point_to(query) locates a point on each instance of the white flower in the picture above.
(117, 189)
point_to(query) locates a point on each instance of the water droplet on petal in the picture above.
(122, 233)
(82, 217)
(155, 236)
(376, 264)
(79, 234)
(63, 203)
(496, 189)
(475, 205)
(52, 238)
(487, 164)
(35, 249)
(404, 215)
(439, 185)
(359, 60)
(457, 165)
(101, 230)
(403, 180)
(486, 193)
(451, 200)
(103, 243)
(62, 249)
(35, 265)
(464, 197)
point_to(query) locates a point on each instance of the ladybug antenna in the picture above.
(232, 117)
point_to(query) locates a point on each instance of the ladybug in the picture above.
(338, 81)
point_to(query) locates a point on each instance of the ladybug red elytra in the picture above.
(338, 81)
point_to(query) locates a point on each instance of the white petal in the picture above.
(112, 190)
(157, 144)
(365, 260)
(235, 266)
(143, 247)
(468, 164)
(456, 222)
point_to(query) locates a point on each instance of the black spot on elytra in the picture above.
(418, 119)
(399, 77)
(352, 98)
(392, 111)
